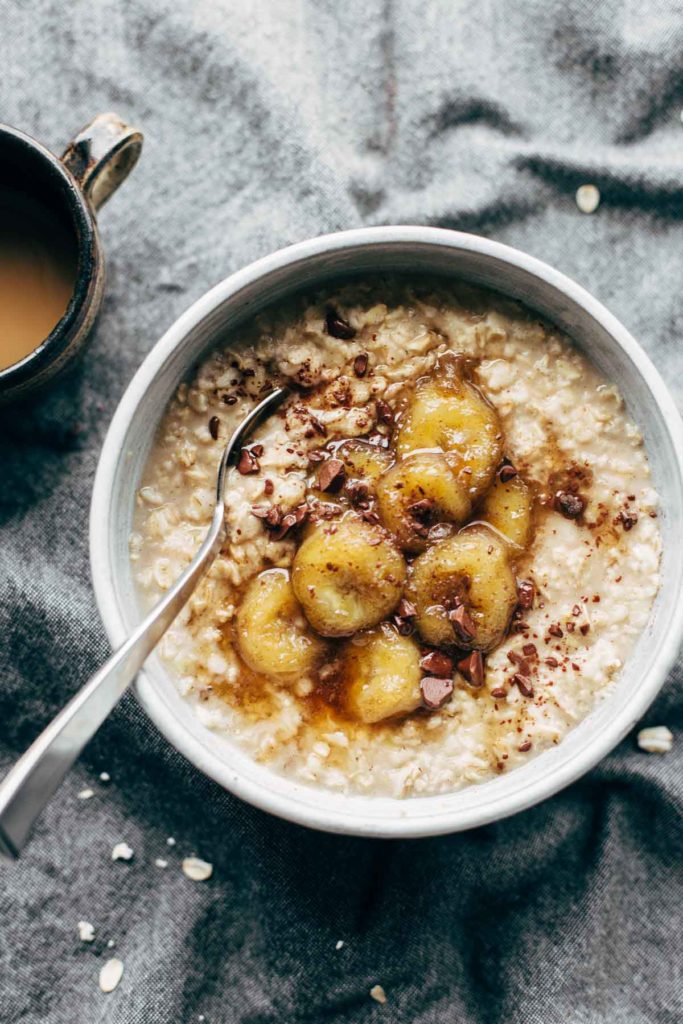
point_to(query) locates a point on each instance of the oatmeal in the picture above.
(441, 549)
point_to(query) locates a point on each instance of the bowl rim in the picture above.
(288, 806)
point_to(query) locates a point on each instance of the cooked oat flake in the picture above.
(111, 973)
(86, 932)
(588, 198)
(378, 994)
(656, 740)
(196, 869)
(122, 851)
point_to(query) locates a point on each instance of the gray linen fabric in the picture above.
(266, 123)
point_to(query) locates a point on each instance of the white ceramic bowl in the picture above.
(421, 250)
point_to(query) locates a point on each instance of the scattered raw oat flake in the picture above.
(111, 944)
(86, 932)
(105, 777)
(378, 994)
(85, 794)
(196, 869)
(339, 944)
(111, 973)
(170, 841)
(656, 740)
(122, 851)
(161, 863)
(588, 198)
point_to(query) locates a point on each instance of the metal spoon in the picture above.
(29, 785)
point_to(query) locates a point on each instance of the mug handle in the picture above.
(102, 155)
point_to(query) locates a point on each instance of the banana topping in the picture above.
(430, 485)
(381, 675)
(463, 589)
(450, 415)
(417, 493)
(273, 637)
(507, 507)
(348, 576)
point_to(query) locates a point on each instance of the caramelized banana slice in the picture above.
(418, 492)
(381, 675)
(273, 637)
(348, 578)
(507, 506)
(363, 461)
(452, 415)
(464, 591)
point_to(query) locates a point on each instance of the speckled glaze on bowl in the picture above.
(419, 250)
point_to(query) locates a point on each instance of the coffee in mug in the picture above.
(38, 263)
(51, 260)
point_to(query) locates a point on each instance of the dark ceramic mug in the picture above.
(74, 187)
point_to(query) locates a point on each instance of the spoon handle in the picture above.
(29, 785)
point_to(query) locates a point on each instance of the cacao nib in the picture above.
(260, 511)
(337, 327)
(406, 609)
(274, 517)
(472, 668)
(570, 505)
(384, 413)
(526, 593)
(360, 364)
(248, 463)
(331, 475)
(403, 625)
(421, 510)
(319, 427)
(214, 427)
(519, 662)
(628, 521)
(370, 516)
(523, 684)
(286, 524)
(436, 663)
(463, 626)
(506, 472)
(436, 691)
(358, 493)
